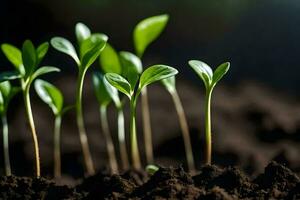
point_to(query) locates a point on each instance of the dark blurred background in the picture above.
(256, 109)
(259, 38)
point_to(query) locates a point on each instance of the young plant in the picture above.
(104, 93)
(144, 34)
(131, 85)
(170, 85)
(7, 92)
(110, 63)
(53, 97)
(26, 63)
(90, 47)
(210, 79)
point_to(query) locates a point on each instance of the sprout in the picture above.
(7, 92)
(151, 169)
(170, 85)
(144, 34)
(131, 85)
(90, 47)
(104, 93)
(26, 63)
(210, 79)
(110, 63)
(52, 96)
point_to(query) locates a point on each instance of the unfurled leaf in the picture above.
(63, 45)
(147, 31)
(14, 55)
(5, 88)
(91, 49)
(156, 73)
(82, 32)
(44, 70)
(113, 92)
(9, 75)
(119, 83)
(132, 67)
(29, 57)
(220, 72)
(109, 60)
(50, 95)
(7, 92)
(169, 83)
(42, 50)
(203, 71)
(101, 91)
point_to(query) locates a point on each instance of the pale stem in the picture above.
(6, 145)
(136, 162)
(147, 126)
(32, 127)
(208, 126)
(185, 131)
(122, 141)
(57, 156)
(109, 143)
(80, 123)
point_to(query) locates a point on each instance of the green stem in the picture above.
(109, 143)
(136, 162)
(57, 157)
(208, 126)
(32, 127)
(6, 145)
(80, 123)
(185, 131)
(122, 141)
(147, 127)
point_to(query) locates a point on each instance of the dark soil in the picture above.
(211, 182)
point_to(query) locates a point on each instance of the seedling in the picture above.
(110, 63)
(210, 79)
(53, 97)
(131, 85)
(7, 92)
(144, 34)
(104, 93)
(170, 85)
(151, 169)
(90, 47)
(26, 64)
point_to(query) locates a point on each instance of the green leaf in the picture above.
(42, 50)
(91, 52)
(14, 55)
(65, 46)
(113, 93)
(119, 83)
(7, 92)
(151, 169)
(67, 108)
(101, 91)
(169, 83)
(82, 32)
(109, 60)
(9, 75)
(147, 31)
(5, 88)
(156, 73)
(29, 57)
(220, 72)
(132, 67)
(44, 70)
(203, 71)
(50, 94)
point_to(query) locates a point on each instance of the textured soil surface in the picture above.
(211, 182)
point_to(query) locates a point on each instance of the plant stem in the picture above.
(121, 137)
(136, 162)
(185, 131)
(109, 143)
(147, 127)
(80, 123)
(32, 127)
(208, 126)
(57, 158)
(6, 145)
